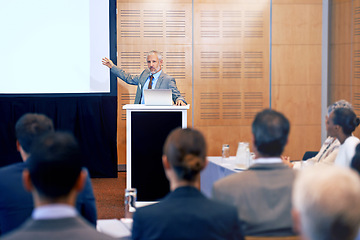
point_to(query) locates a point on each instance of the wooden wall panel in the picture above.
(231, 69)
(340, 92)
(296, 72)
(345, 53)
(240, 23)
(297, 1)
(301, 104)
(297, 23)
(309, 140)
(341, 51)
(355, 83)
(341, 64)
(341, 18)
(160, 23)
(296, 65)
(218, 135)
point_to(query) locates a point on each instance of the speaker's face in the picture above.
(153, 63)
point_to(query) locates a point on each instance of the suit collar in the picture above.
(268, 166)
(160, 79)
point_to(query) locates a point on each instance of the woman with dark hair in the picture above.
(185, 213)
(342, 123)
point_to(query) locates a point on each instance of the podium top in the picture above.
(145, 107)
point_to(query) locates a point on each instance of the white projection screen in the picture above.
(49, 46)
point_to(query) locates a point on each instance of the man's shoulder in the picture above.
(12, 169)
(244, 178)
(235, 178)
(66, 228)
(164, 75)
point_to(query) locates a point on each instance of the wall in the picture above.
(345, 53)
(219, 53)
(296, 71)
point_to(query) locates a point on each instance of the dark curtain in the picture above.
(91, 119)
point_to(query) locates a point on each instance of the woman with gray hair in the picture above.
(328, 151)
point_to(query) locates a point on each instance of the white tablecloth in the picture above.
(115, 228)
(216, 169)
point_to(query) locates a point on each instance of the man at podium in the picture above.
(151, 78)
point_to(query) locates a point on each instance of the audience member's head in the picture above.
(326, 203)
(338, 104)
(54, 167)
(355, 163)
(28, 128)
(345, 119)
(185, 152)
(270, 131)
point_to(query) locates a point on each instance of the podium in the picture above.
(146, 130)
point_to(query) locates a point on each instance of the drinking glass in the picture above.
(130, 200)
(225, 151)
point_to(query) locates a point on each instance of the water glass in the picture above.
(225, 151)
(130, 200)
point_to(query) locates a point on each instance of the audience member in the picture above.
(54, 175)
(341, 124)
(262, 194)
(185, 213)
(330, 147)
(16, 204)
(326, 203)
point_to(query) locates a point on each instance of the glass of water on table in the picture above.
(225, 152)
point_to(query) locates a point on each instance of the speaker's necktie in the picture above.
(150, 82)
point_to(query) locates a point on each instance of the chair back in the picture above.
(309, 154)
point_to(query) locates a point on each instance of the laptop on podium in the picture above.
(158, 97)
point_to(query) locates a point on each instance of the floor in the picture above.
(109, 195)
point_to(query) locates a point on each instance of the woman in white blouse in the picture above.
(330, 147)
(342, 123)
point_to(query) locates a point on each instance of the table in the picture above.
(216, 169)
(120, 229)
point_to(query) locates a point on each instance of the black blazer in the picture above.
(186, 214)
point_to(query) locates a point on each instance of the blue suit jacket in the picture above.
(186, 214)
(16, 204)
(164, 82)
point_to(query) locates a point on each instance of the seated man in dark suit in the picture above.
(55, 176)
(16, 204)
(262, 194)
(185, 213)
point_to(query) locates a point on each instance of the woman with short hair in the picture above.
(342, 123)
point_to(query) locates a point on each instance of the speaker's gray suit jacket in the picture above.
(164, 82)
(71, 228)
(262, 195)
